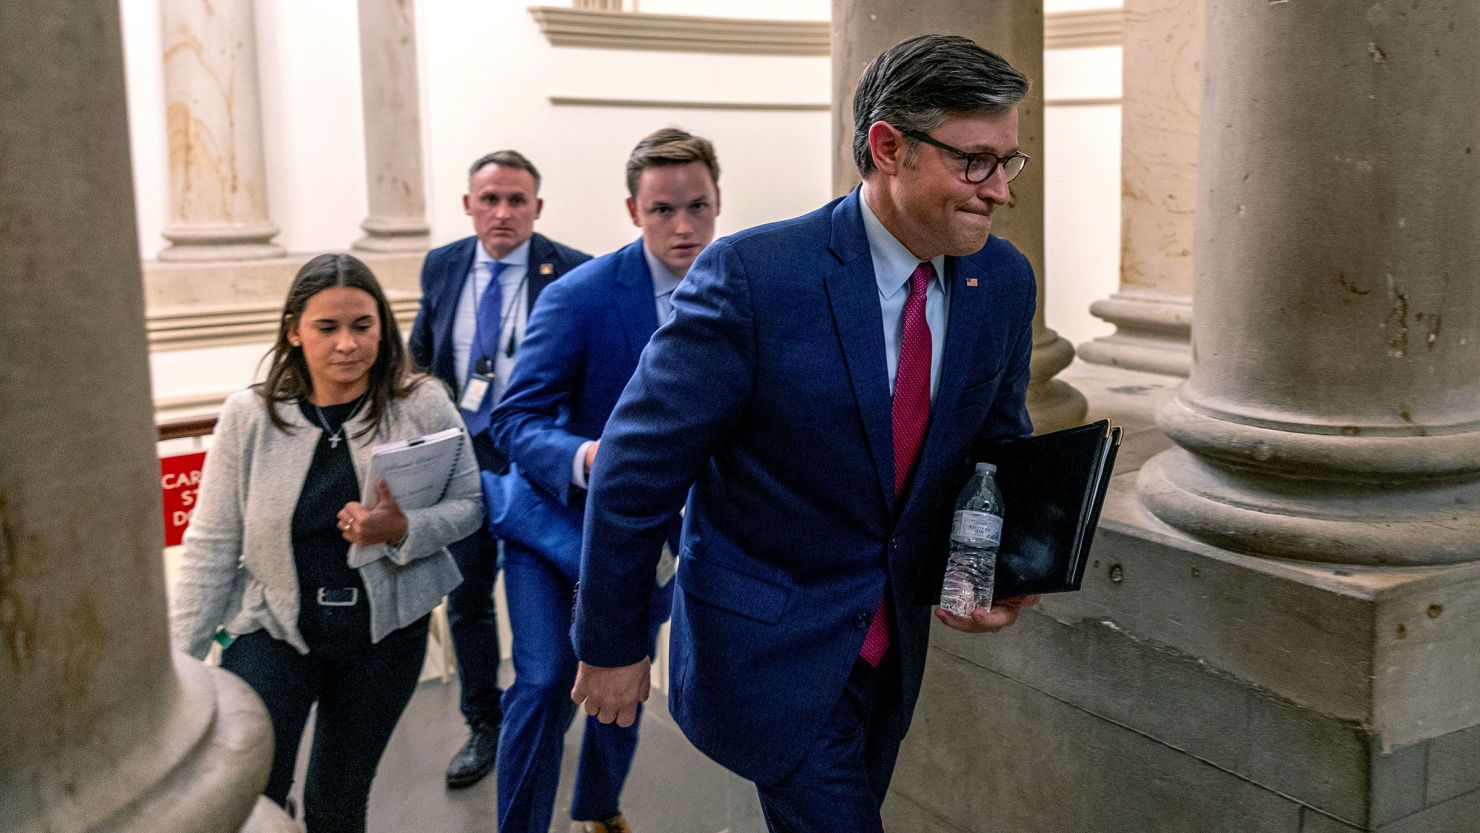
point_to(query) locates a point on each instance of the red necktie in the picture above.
(911, 416)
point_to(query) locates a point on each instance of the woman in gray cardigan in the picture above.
(265, 562)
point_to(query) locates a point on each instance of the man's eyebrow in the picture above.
(993, 151)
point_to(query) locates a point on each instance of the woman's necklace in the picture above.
(336, 436)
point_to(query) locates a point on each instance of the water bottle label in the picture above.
(980, 529)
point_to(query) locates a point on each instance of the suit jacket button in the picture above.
(860, 621)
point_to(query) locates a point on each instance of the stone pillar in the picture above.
(1331, 411)
(102, 726)
(388, 74)
(861, 29)
(1329, 420)
(1162, 98)
(218, 183)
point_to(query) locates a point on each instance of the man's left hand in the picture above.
(611, 695)
(1003, 614)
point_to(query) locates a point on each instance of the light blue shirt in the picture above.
(664, 282)
(893, 265)
(515, 310)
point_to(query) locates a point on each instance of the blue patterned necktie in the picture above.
(481, 357)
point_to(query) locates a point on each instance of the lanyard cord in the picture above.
(504, 315)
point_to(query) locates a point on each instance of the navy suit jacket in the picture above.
(766, 398)
(580, 348)
(443, 274)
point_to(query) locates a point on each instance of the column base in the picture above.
(1153, 333)
(392, 234)
(1190, 688)
(269, 818)
(221, 242)
(212, 784)
(1313, 518)
(1052, 403)
(383, 243)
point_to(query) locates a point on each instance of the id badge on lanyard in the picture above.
(475, 390)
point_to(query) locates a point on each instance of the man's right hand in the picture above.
(612, 694)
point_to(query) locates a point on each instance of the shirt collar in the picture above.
(518, 257)
(664, 281)
(893, 263)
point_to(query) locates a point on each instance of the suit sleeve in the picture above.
(421, 341)
(524, 424)
(690, 390)
(1008, 417)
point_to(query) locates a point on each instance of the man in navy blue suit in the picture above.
(476, 295)
(819, 396)
(585, 337)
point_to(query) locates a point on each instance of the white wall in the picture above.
(487, 76)
(759, 9)
(1081, 188)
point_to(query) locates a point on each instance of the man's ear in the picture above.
(887, 145)
(632, 212)
(539, 205)
(468, 204)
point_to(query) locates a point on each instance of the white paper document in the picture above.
(416, 471)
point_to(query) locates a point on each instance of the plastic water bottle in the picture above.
(976, 532)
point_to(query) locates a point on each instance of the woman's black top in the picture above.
(319, 549)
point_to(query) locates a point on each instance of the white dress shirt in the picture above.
(893, 265)
(515, 290)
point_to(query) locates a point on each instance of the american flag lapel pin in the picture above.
(971, 281)
(547, 268)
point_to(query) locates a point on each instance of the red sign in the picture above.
(179, 478)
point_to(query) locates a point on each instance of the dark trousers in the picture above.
(361, 690)
(470, 615)
(841, 781)
(538, 709)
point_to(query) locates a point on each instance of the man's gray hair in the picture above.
(913, 84)
(506, 159)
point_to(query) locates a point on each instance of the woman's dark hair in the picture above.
(287, 375)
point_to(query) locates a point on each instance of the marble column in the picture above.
(1162, 97)
(1331, 412)
(861, 29)
(392, 103)
(102, 727)
(218, 181)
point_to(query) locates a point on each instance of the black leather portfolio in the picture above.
(1053, 486)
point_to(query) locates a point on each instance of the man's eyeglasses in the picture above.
(979, 166)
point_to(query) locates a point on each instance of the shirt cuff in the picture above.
(578, 465)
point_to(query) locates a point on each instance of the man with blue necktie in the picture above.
(476, 295)
(585, 337)
(818, 396)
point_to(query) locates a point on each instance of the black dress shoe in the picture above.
(475, 759)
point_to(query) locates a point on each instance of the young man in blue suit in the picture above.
(476, 295)
(585, 337)
(818, 397)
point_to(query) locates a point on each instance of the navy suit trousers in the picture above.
(538, 709)
(470, 614)
(842, 779)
